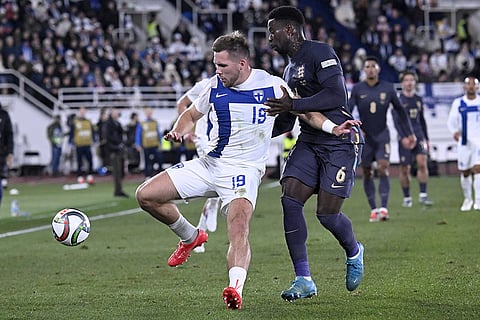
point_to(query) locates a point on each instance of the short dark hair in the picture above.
(372, 58)
(234, 43)
(288, 13)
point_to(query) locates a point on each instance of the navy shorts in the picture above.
(374, 151)
(406, 156)
(329, 167)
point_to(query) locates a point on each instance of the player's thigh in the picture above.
(159, 188)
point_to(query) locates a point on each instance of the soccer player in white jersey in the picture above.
(232, 169)
(464, 123)
(208, 218)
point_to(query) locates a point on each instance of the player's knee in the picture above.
(326, 209)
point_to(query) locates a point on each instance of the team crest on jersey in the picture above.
(301, 75)
(383, 96)
(258, 95)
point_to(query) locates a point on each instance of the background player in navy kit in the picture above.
(373, 97)
(320, 162)
(413, 105)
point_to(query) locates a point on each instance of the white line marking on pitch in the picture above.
(45, 227)
(103, 216)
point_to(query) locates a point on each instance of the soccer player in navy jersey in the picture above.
(414, 107)
(320, 163)
(373, 98)
(233, 165)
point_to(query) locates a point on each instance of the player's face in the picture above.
(277, 36)
(471, 86)
(371, 69)
(227, 68)
(408, 83)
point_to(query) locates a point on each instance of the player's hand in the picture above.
(409, 142)
(9, 160)
(173, 136)
(456, 136)
(277, 106)
(345, 127)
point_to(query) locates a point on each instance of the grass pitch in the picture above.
(422, 264)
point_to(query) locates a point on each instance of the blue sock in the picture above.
(406, 192)
(369, 187)
(296, 235)
(341, 228)
(384, 190)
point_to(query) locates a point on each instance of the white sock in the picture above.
(466, 183)
(184, 229)
(202, 223)
(476, 186)
(237, 277)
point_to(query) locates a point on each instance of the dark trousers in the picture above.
(84, 152)
(117, 162)
(56, 155)
(152, 156)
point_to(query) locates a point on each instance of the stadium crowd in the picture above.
(75, 44)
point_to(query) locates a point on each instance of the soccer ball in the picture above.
(70, 227)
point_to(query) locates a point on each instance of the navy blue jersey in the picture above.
(315, 75)
(414, 108)
(373, 103)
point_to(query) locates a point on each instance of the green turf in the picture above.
(423, 264)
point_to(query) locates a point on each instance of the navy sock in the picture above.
(406, 192)
(369, 187)
(296, 235)
(384, 190)
(341, 228)
(423, 187)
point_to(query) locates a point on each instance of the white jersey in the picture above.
(464, 117)
(239, 128)
(201, 127)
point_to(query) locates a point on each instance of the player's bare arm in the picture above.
(184, 124)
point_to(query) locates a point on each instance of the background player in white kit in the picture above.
(464, 123)
(208, 218)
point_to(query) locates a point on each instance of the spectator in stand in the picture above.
(424, 71)
(464, 60)
(398, 61)
(438, 61)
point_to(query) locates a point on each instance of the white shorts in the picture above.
(468, 155)
(211, 177)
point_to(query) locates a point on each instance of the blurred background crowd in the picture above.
(75, 43)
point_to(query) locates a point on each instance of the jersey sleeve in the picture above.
(202, 102)
(453, 121)
(402, 123)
